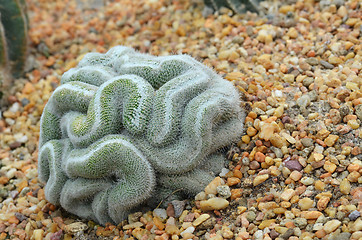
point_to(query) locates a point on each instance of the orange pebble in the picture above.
(260, 157)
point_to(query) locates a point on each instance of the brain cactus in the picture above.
(238, 6)
(125, 129)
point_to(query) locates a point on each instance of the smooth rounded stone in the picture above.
(224, 191)
(15, 107)
(354, 215)
(250, 216)
(304, 101)
(343, 236)
(305, 203)
(287, 234)
(214, 204)
(307, 142)
(326, 64)
(312, 61)
(10, 173)
(190, 229)
(307, 181)
(202, 218)
(254, 165)
(277, 151)
(287, 194)
(211, 187)
(331, 225)
(200, 196)
(317, 226)
(3, 193)
(260, 179)
(161, 213)
(345, 186)
(258, 235)
(293, 165)
(300, 222)
(223, 172)
(37, 234)
(307, 81)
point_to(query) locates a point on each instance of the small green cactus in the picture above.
(238, 6)
(13, 40)
(126, 128)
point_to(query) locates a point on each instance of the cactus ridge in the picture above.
(125, 128)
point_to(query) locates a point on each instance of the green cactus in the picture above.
(125, 128)
(238, 6)
(14, 21)
(13, 41)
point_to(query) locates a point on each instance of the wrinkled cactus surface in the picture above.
(238, 6)
(125, 129)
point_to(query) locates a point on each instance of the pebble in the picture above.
(202, 218)
(293, 165)
(190, 229)
(214, 204)
(287, 194)
(345, 186)
(223, 191)
(305, 203)
(160, 212)
(307, 181)
(326, 64)
(75, 227)
(38, 234)
(331, 225)
(211, 188)
(260, 179)
(178, 207)
(354, 215)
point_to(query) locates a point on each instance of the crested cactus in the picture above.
(125, 129)
(238, 6)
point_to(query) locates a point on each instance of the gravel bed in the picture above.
(294, 174)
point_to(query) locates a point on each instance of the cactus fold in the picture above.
(238, 6)
(125, 129)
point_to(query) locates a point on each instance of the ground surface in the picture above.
(296, 172)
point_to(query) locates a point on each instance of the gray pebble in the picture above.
(354, 215)
(287, 234)
(179, 206)
(307, 142)
(223, 191)
(344, 110)
(307, 81)
(250, 216)
(312, 61)
(344, 236)
(303, 101)
(359, 111)
(326, 64)
(300, 222)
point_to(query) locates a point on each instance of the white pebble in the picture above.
(10, 173)
(15, 107)
(161, 213)
(188, 230)
(223, 172)
(278, 93)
